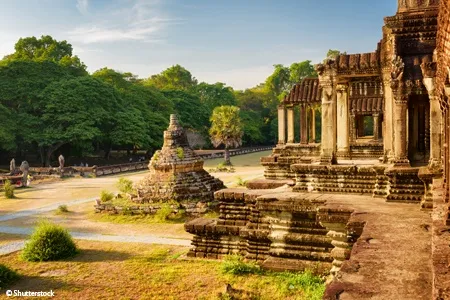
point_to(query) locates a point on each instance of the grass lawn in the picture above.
(104, 270)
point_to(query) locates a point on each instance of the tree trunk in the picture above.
(227, 157)
(50, 151)
(41, 154)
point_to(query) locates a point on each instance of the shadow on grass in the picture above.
(93, 255)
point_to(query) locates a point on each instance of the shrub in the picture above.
(9, 189)
(49, 242)
(235, 265)
(163, 213)
(125, 185)
(241, 182)
(7, 276)
(180, 153)
(106, 196)
(62, 209)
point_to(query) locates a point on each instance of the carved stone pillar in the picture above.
(327, 73)
(343, 145)
(290, 124)
(376, 127)
(435, 122)
(352, 128)
(388, 115)
(400, 114)
(360, 126)
(400, 131)
(312, 126)
(281, 125)
(303, 125)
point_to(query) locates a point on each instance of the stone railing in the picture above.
(116, 169)
(15, 179)
(234, 152)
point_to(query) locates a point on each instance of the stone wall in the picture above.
(278, 228)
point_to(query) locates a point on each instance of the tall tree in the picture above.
(173, 78)
(213, 95)
(279, 81)
(47, 49)
(301, 70)
(226, 129)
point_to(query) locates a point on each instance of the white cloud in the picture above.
(137, 20)
(82, 6)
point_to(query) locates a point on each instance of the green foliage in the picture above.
(235, 265)
(240, 181)
(214, 95)
(333, 54)
(106, 196)
(7, 276)
(226, 127)
(180, 153)
(173, 78)
(125, 185)
(62, 209)
(8, 189)
(49, 242)
(312, 286)
(163, 214)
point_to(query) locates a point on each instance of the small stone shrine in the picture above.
(176, 172)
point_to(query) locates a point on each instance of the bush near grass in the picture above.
(7, 276)
(62, 209)
(49, 242)
(240, 181)
(106, 196)
(163, 213)
(312, 287)
(8, 189)
(235, 265)
(125, 185)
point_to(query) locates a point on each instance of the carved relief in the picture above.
(397, 72)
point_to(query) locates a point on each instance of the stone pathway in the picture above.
(146, 239)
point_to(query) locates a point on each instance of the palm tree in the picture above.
(226, 129)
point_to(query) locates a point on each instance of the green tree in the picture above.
(279, 82)
(333, 53)
(173, 78)
(47, 48)
(301, 70)
(213, 95)
(226, 129)
(76, 110)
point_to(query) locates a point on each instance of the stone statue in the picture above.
(61, 161)
(12, 167)
(24, 167)
(397, 72)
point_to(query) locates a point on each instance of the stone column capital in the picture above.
(342, 88)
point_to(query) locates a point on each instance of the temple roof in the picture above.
(307, 91)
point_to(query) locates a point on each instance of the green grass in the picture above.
(103, 270)
(106, 196)
(62, 209)
(246, 160)
(125, 185)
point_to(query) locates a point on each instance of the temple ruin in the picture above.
(176, 172)
(385, 131)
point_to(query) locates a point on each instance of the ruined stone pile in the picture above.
(176, 172)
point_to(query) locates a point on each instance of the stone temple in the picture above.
(301, 213)
(176, 172)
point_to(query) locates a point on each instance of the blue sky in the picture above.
(235, 41)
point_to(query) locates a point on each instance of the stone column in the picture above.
(303, 125)
(376, 127)
(352, 127)
(435, 123)
(400, 131)
(388, 133)
(281, 125)
(327, 73)
(343, 145)
(290, 124)
(312, 126)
